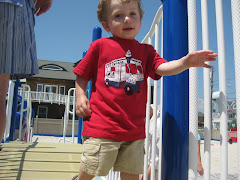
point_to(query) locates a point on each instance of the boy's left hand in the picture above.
(198, 58)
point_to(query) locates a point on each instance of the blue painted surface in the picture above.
(14, 110)
(175, 93)
(97, 33)
(55, 135)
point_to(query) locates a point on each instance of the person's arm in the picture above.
(151, 112)
(194, 59)
(83, 108)
(42, 6)
(200, 168)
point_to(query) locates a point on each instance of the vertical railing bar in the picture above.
(207, 95)
(160, 108)
(155, 96)
(236, 45)
(147, 123)
(193, 92)
(223, 90)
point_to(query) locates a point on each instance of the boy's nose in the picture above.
(127, 19)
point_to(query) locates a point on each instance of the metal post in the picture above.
(80, 119)
(14, 110)
(236, 37)
(223, 90)
(175, 93)
(193, 92)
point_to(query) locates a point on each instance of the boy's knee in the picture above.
(84, 176)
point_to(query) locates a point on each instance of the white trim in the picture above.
(49, 68)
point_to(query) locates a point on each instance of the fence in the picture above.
(48, 97)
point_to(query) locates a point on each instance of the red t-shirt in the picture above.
(119, 70)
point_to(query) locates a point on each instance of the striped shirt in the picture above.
(15, 2)
(17, 39)
(19, 2)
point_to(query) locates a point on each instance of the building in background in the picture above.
(49, 88)
(231, 110)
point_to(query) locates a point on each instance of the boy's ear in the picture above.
(105, 26)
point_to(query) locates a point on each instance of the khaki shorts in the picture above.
(100, 155)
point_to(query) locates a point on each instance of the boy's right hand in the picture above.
(83, 108)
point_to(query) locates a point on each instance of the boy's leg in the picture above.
(98, 157)
(130, 159)
(127, 176)
(84, 176)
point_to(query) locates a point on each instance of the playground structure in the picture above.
(23, 119)
(193, 88)
(25, 96)
(192, 44)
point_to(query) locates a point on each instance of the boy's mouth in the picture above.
(128, 29)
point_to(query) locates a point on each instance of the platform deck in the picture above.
(37, 160)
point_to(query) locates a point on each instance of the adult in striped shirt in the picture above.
(18, 57)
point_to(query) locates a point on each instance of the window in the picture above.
(54, 89)
(131, 68)
(52, 67)
(51, 88)
(42, 111)
(39, 88)
(50, 92)
(140, 69)
(62, 90)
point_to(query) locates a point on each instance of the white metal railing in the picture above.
(25, 95)
(222, 84)
(193, 92)
(28, 109)
(154, 31)
(235, 4)
(49, 97)
(70, 109)
(9, 109)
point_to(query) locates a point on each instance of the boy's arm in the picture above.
(194, 59)
(200, 168)
(83, 108)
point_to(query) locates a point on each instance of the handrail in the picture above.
(66, 115)
(48, 97)
(156, 20)
(154, 30)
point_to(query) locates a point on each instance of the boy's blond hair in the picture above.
(101, 10)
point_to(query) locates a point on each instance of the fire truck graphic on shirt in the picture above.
(126, 73)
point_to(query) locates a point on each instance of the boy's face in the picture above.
(123, 19)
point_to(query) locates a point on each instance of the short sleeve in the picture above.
(87, 67)
(154, 61)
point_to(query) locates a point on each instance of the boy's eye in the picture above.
(118, 15)
(132, 13)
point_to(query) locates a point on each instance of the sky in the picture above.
(65, 32)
